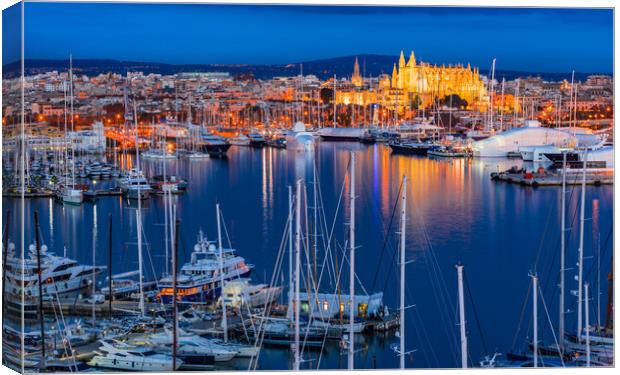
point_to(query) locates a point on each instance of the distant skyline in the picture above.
(525, 39)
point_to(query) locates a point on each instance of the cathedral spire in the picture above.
(411, 61)
(394, 76)
(401, 60)
(356, 79)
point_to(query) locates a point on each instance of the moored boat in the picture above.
(199, 280)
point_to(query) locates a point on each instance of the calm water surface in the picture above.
(456, 213)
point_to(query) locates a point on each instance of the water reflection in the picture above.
(457, 214)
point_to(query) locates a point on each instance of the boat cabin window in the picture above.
(63, 267)
(362, 310)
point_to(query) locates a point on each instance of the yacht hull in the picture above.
(216, 150)
(410, 150)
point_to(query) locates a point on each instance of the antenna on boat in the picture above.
(221, 262)
(459, 269)
(351, 263)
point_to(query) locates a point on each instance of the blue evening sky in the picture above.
(527, 39)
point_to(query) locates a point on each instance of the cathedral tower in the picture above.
(356, 79)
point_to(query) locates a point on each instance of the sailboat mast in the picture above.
(580, 262)
(403, 231)
(575, 111)
(110, 266)
(315, 225)
(501, 116)
(587, 311)
(175, 250)
(291, 286)
(515, 110)
(64, 161)
(5, 249)
(165, 223)
(94, 271)
(562, 253)
(459, 269)
(491, 112)
(40, 282)
(297, 271)
(72, 119)
(139, 213)
(221, 261)
(171, 215)
(535, 317)
(351, 263)
(334, 100)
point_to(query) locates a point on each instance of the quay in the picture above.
(42, 193)
(119, 308)
(596, 177)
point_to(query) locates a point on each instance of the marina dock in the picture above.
(574, 177)
(119, 308)
(44, 193)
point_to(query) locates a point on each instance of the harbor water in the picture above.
(457, 214)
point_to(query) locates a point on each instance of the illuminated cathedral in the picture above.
(414, 85)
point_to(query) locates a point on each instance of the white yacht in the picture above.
(341, 134)
(532, 134)
(118, 356)
(60, 275)
(240, 140)
(71, 195)
(241, 293)
(158, 154)
(135, 184)
(300, 139)
(408, 130)
(256, 139)
(537, 153)
(213, 145)
(190, 343)
(199, 280)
